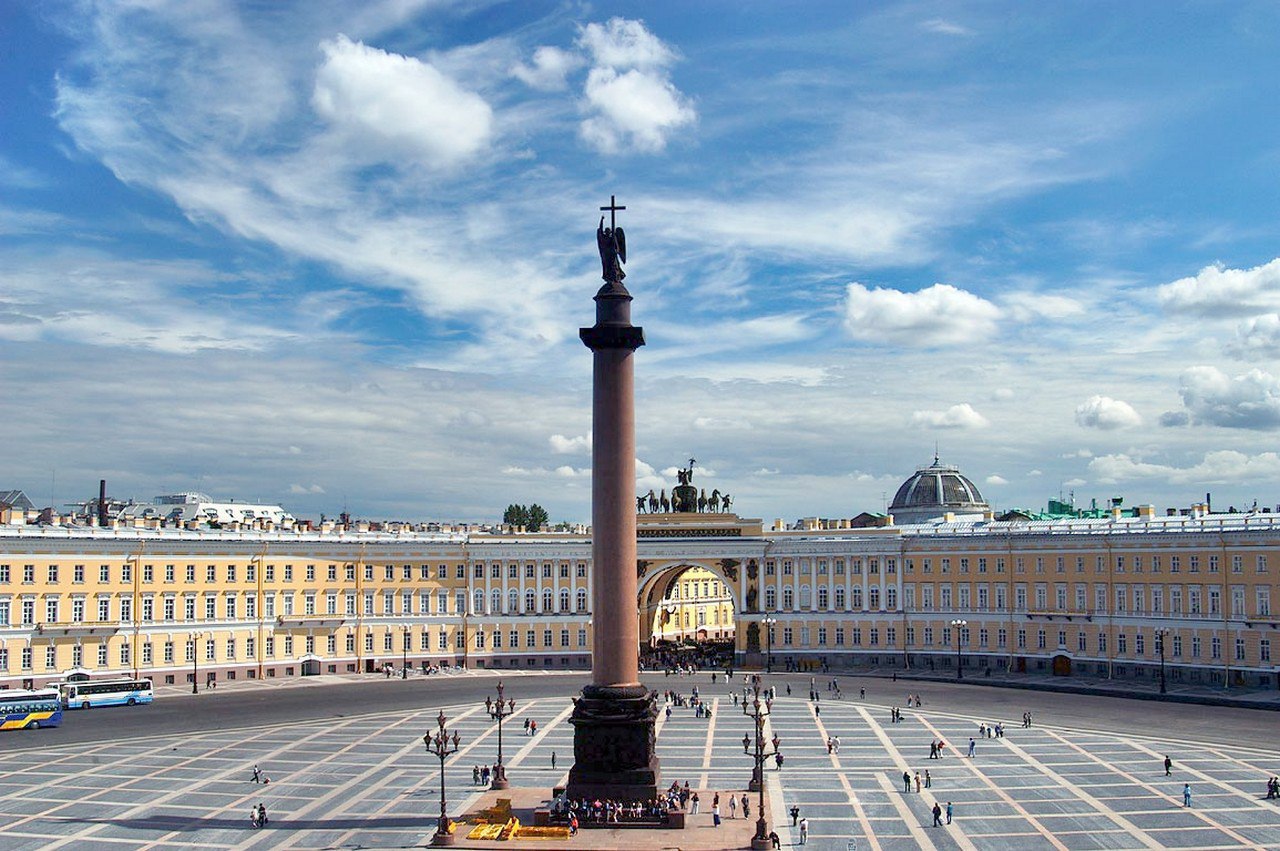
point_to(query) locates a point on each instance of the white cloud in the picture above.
(961, 416)
(944, 27)
(1030, 306)
(1221, 467)
(549, 69)
(623, 43)
(720, 424)
(300, 489)
(632, 110)
(1034, 473)
(567, 472)
(1257, 337)
(1219, 291)
(562, 445)
(765, 471)
(940, 315)
(399, 105)
(1103, 412)
(698, 472)
(1002, 394)
(996, 480)
(1212, 397)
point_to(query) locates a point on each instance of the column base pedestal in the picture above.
(614, 745)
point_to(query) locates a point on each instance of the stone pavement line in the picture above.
(912, 821)
(238, 807)
(858, 810)
(106, 771)
(909, 817)
(1208, 778)
(1080, 792)
(706, 751)
(539, 736)
(370, 771)
(995, 787)
(386, 780)
(1156, 791)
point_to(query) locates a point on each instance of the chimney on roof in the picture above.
(102, 502)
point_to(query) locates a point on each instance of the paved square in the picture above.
(367, 781)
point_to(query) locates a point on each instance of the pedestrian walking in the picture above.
(804, 831)
(253, 816)
(475, 775)
(746, 806)
(262, 815)
(948, 812)
(553, 760)
(906, 781)
(733, 807)
(257, 774)
(862, 694)
(1186, 794)
(795, 814)
(917, 779)
(697, 803)
(973, 747)
(928, 781)
(715, 815)
(937, 815)
(1168, 766)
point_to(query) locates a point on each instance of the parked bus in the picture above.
(30, 710)
(85, 695)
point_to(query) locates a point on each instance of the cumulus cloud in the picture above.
(1103, 412)
(548, 70)
(621, 43)
(1257, 337)
(941, 315)
(631, 102)
(1002, 394)
(567, 472)
(1219, 291)
(1212, 397)
(698, 472)
(1175, 419)
(562, 445)
(719, 423)
(1223, 466)
(995, 479)
(398, 104)
(961, 416)
(300, 489)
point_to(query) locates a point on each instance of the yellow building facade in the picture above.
(1105, 597)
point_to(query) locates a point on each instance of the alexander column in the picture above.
(614, 745)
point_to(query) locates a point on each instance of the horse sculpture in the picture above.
(653, 502)
(713, 503)
(702, 500)
(664, 502)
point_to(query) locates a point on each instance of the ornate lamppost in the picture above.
(757, 711)
(443, 746)
(195, 660)
(497, 711)
(958, 625)
(769, 621)
(404, 650)
(1160, 635)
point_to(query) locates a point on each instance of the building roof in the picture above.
(934, 491)
(16, 499)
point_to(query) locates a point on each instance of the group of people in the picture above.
(1273, 788)
(482, 774)
(927, 783)
(258, 814)
(530, 727)
(833, 744)
(990, 731)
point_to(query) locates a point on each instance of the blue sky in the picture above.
(336, 255)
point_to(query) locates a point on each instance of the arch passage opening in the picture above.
(687, 617)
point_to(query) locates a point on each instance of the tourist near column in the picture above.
(614, 738)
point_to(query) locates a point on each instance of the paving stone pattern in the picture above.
(367, 781)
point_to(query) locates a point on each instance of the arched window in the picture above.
(495, 602)
(788, 598)
(857, 597)
(823, 597)
(770, 598)
(840, 597)
(478, 599)
(546, 600)
(805, 597)
(564, 599)
(513, 602)
(582, 599)
(530, 601)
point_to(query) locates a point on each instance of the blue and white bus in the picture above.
(30, 710)
(86, 695)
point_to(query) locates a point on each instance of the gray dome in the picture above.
(932, 492)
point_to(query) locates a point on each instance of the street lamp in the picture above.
(1160, 634)
(757, 711)
(497, 711)
(195, 663)
(405, 629)
(442, 746)
(769, 621)
(958, 625)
